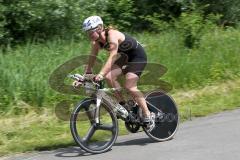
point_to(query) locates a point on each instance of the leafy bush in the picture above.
(3, 33)
(120, 13)
(45, 18)
(192, 24)
(228, 9)
(151, 14)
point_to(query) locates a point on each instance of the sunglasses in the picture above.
(92, 30)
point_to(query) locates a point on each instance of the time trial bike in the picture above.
(94, 120)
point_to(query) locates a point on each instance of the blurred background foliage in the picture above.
(199, 38)
(21, 20)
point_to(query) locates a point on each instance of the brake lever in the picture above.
(77, 77)
(95, 83)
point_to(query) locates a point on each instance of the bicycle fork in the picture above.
(117, 108)
(97, 110)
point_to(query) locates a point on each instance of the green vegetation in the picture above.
(208, 100)
(206, 80)
(35, 131)
(43, 131)
(215, 59)
(44, 19)
(25, 70)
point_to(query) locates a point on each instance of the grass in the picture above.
(216, 58)
(209, 99)
(36, 132)
(25, 70)
(44, 131)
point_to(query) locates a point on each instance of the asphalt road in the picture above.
(216, 137)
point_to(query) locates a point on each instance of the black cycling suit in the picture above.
(133, 57)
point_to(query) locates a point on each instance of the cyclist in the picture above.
(126, 56)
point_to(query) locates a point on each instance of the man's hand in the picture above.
(76, 84)
(99, 77)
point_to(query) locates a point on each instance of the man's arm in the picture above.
(92, 57)
(113, 47)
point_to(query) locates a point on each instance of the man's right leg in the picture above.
(111, 78)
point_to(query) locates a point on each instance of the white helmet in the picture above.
(92, 22)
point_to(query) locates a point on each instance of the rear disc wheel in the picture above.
(166, 116)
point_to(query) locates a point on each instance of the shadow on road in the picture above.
(140, 141)
(78, 152)
(71, 152)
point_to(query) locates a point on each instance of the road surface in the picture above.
(216, 137)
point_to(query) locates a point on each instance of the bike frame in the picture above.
(94, 89)
(101, 95)
(165, 130)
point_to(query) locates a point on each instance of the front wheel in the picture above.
(166, 116)
(90, 135)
